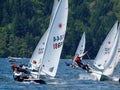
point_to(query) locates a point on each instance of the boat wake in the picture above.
(87, 77)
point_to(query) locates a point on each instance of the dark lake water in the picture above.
(66, 79)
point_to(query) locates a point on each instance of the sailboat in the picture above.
(38, 53)
(108, 55)
(46, 56)
(80, 48)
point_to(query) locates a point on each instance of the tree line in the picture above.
(23, 22)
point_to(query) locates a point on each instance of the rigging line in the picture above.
(89, 49)
(88, 56)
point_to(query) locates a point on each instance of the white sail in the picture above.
(54, 9)
(81, 47)
(55, 40)
(38, 53)
(115, 57)
(105, 52)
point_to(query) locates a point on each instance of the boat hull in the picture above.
(31, 80)
(36, 81)
(100, 77)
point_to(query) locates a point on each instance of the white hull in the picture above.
(97, 75)
(36, 74)
(100, 77)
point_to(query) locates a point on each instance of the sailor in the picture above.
(20, 69)
(79, 58)
(34, 67)
(21, 65)
(19, 76)
(87, 67)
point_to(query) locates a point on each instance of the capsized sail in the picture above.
(55, 39)
(105, 51)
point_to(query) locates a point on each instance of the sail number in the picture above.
(57, 45)
(107, 50)
(58, 41)
(58, 38)
(41, 50)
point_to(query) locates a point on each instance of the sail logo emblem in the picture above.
(60, 25)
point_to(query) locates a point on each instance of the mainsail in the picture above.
(81, 47)
(38, 53)
(48, 51)
(55, 39)
(115, 56)
(108, 55)
(106, 50)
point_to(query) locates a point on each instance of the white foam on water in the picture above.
(87, 77)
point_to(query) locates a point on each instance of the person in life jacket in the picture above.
(78, 59)
(19, 76)
(34, 66)
(19, 68)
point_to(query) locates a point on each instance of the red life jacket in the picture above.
(78, 59)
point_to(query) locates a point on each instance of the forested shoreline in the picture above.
(23, 22)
